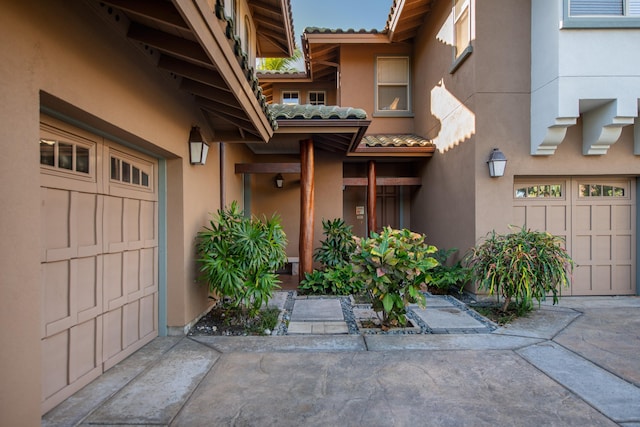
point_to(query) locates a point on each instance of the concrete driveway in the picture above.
(576, 364)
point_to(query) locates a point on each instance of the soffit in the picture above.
(274, 27)
(333, 129)
(406, 18)
(194, 46)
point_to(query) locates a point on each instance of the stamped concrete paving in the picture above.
(564, 366)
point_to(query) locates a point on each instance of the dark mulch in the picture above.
(224, 320)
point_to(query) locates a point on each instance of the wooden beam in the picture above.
(173, 45)
(214, 94)
(158, 11)
(383, 181)
(267, 167)
(371, 197)
(307, 208)
(206, 75)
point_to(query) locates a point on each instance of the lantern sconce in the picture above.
(279, 179)
(198, 147)
(497, 163)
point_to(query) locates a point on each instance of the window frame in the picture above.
(393, 113)
(598, 21)
(459, 58)
(317, 92)
(49, 133)
(282, 93)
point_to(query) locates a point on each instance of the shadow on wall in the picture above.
(457, 122)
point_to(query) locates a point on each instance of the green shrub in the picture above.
(238, 256)
(340, 280)
(394, 265)
(337, 276)
(448, 277)
(338, 244)
(521, 266)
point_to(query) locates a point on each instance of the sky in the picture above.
(344, 14)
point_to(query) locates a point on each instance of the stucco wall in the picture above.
(64, 51)
(266, 199)
(444, 206)
(357, 84)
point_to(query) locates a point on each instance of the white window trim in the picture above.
(289, 91)
(393, 113)
(608, 21)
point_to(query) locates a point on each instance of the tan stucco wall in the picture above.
(266, 199)
(459, 203)
(304, 88)
(105, 84)
(357, 84)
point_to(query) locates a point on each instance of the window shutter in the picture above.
(634, 7)
(599, 7)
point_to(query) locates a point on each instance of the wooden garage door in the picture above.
(597, 218)
(99, 257)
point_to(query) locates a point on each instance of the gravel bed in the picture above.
(347, 304)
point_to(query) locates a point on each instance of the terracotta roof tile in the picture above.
(319, 30)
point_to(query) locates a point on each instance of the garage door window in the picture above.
(64, 155)
(539, 190)
(601, 190)
(129, 171)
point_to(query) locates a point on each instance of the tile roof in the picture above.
(401, 140)
(243, 60)
(315, 112)
(322, 30)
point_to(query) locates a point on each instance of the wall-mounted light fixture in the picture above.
(279, 181)
(198, 147)
(497, 163)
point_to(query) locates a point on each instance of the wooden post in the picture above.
(371, 198)
(307, 207)
(223, 183)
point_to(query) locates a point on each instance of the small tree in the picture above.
(239, 256)
(521, 266)
(394, 265)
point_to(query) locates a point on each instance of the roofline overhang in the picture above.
(212, 38)
(357, 127)
(393, 20)
(346, 38)
(288, 26)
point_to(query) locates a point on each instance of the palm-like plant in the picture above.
(280, 64)
(238, 256)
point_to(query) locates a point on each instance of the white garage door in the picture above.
(597, 217)
(99, 256)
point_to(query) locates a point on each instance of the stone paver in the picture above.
(317, 328)
(448, 318)
(316, 309)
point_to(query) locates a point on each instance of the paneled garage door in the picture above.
(99, 256)
(597, 217)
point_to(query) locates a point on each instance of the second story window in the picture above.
(462, 26)
(392, 85)
(601, 14)
(317, 98)
(604, 7)
(291, 97)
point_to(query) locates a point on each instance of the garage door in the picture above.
(99, 257)
(597, 217)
